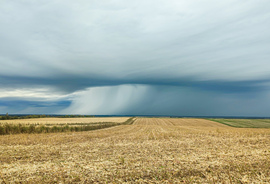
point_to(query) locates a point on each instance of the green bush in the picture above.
(2, 130)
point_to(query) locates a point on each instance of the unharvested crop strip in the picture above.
(7, 129)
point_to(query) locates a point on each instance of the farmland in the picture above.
(49, 125)
(151, 150)
(245, 123)
(64, 121)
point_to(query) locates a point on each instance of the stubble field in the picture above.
(151, 150)
(64, 121)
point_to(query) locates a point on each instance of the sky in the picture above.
(144, 57)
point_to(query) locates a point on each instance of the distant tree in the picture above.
(7, 116)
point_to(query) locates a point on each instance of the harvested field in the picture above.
(178, 122)
(59, 121)
(151, 150)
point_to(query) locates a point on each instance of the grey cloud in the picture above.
(20, 106)
(71, 46)
(167, 100)
(68, 83)
(66, 37)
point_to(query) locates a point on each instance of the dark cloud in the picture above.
(69, 84)
(170, 50)
(17, 106)
(168, 100)
(18, 103)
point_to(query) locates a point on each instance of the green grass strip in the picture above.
(244, 123)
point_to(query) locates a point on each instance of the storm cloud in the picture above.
(186, 58)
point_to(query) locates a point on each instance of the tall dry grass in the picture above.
(62, 125)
